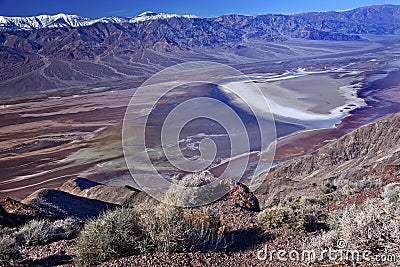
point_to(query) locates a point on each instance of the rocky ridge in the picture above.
(365, 156)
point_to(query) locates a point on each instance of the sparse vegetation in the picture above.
(162, 228)
(391, 193)
(373, 225)
(172, 229)
(348, 188)
(43, 231)
(342, 188)
(115, 233)
(35, 232)
(282, 217)
(10, 254)
(190, 190)
(308, 205)
(298, 213)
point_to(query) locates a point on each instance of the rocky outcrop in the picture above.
(13, 220)
(88, 189)
(58, 204)
(85, 199)
(18, 208)
(356, 160)
(242, 197)
(77, 197)
(15, 213)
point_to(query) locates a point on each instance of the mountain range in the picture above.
(382, 19)
(43, 53)
(74, 21)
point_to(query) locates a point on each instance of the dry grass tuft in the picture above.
(372, 226)
(41, 231)
(113, 234)
(10, 254)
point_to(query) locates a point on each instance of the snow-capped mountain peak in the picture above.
(149, 15)
(42, 21)
(66, 20)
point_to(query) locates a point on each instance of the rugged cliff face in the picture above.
(359, 160)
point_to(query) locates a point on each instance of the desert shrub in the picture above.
(391, 193)
(6, 231)
(163, 228)
(190, 190)
(207, 229)
(373, 226)
(35, 232)
(328, 187)
(348, 188)
(194, 179)
(298, 213)
(340, 189)
(42, 231)
(114, 233)
(9, 251)
(306, 204)
(174, 229)
(69, 228)
(282, 217)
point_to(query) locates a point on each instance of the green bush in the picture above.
(113, 234)
(43, 231)
(282, 217)
(9, 252)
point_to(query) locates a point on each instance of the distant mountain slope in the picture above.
(358, 160)
(43, 53)
(381, 19)
(64, 20)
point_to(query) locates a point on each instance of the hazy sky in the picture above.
(202, 8)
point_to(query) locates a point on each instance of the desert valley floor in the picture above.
(51, 138)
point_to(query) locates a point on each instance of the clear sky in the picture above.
(202, 8)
